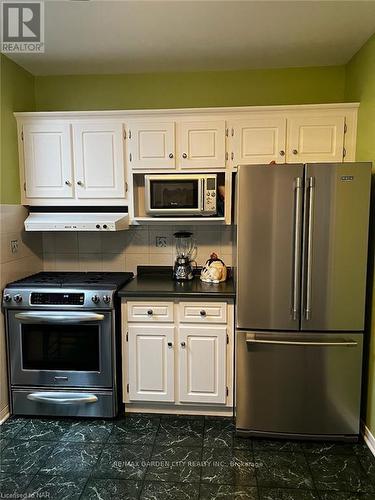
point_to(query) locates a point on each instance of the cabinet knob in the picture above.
(68, 183)
(150, 312)
(295, 151)
(202, 313)
(170, 344)
(184, 155)
(282, 153)
(170, 155)
(183, 344)
(80, 183)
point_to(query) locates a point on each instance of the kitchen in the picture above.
(108, 172)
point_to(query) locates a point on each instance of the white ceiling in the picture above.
(145, 36)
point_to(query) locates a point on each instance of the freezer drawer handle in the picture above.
(58, 317)
(311, 189)
(297, 246)
(346, 343)
(62, 398)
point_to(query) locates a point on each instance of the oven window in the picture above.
(58, 347)
(174, 194)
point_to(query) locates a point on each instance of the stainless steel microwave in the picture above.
(181, 194)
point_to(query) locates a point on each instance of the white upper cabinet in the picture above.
(152, 145)
(48, 169)
(257, 140)
(202, 144)
(86, 159)
(315, 138)
(202, 361)
(151, 362)
(99, 159)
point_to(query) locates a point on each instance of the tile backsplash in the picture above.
(125, 250)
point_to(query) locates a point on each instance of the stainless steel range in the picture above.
(63, 343)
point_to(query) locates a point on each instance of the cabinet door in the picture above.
(202, 362)
(47, 160)
(151, 362)
(258, 140)
(315, 139)
(152, 145)
(202, 144)
(99, 159)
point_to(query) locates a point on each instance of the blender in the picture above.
(186, 251)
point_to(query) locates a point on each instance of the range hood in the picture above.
(77, 221)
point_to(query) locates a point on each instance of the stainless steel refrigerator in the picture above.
(302, 243)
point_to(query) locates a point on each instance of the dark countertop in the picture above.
(157, 282)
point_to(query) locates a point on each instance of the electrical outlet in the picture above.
(161, 241)
(14, 246)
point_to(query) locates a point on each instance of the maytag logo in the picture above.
(22, 26)
(347, 178)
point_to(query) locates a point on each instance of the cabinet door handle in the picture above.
(295, 151)
(150, 312)
(183, 344)
(80, 183)
(68, 183)
(202, 313)
(170, 155)
(184, 155)
(170, 344)
(282, 153)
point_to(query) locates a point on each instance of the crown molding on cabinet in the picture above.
(185, 111)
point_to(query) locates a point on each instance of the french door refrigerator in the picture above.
(302, 242)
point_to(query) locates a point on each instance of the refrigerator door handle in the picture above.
(251, 339)
(310, 225)
(298, 193)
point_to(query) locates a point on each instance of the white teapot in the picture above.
(214, 270)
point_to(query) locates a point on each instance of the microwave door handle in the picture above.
(63, 317)
(202, 194)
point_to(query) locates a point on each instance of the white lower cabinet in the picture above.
(202, 364)
(151, 362)
(181, 363)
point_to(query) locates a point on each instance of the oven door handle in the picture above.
(59, 317)
(62, 398)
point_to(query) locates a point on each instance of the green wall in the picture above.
(179, 90)
(17, 94)
(360, 86)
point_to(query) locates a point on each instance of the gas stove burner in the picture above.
(112, 280)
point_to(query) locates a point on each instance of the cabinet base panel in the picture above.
(209, 410)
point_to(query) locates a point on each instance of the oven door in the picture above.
(60, 348)
(179, 195)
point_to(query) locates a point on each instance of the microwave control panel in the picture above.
(210, 195)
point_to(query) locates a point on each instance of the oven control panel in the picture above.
(65, 299)
(22, 298)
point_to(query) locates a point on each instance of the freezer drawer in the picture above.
(298, 383)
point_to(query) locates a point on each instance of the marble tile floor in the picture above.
(162, 457)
